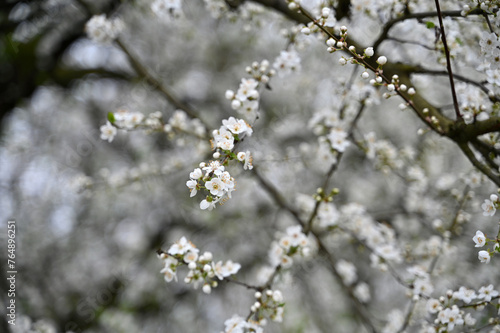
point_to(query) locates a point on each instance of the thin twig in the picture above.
(388, 26)
(420, 70)
(361, 311)
(277, 196)
(485, 151)
(402, 41)
(156, 84)
(448, 60)
(480, 166)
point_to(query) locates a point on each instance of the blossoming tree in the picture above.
(262, 166)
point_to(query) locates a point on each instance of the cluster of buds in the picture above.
(396, 86)
(202, 269)
(491, 205)
(246, 99)
(480, 240)
(269, 304)
(103, 30)
(261, 72)
(335, 44)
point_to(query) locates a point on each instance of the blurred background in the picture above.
(91, 214)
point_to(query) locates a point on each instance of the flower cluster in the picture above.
(378, 237)
(490, 47)
(102, 30)
(217, 182)
(421, 281)
(165, 8)
(480, 240)
(246, 99)
(126, 120)
(328, 125)
(287, 62)
(268, 304)
(179, 122)
(292, 243)
(383, 152)
(202, 269)
(231, 131)
(490, 205)
(238, 324)
(338, 139)
(212, 176)
(449, 314)
(261, 71)
(473, 103)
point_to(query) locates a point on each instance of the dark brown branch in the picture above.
(448, 61)
(481, 127)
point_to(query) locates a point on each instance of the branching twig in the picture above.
(388, 26)
(420, 70)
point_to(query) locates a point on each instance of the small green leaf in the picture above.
(429, 25)
(111, 117)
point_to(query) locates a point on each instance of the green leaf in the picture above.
(111, 117)
(429, 25)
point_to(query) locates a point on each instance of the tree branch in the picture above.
(448, 61)
(155, 83)
(388, 26)
(483, 168)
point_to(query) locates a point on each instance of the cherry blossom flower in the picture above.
(484, 256)
(108, 132)
(479, 239)
(487, 293)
